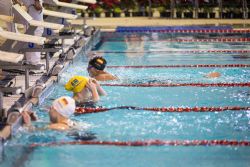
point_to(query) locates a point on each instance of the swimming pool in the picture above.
(132, 125)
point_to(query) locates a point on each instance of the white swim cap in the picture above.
(65, 106)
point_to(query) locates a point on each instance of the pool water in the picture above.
(131, 125)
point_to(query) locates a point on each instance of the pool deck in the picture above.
(112, 23)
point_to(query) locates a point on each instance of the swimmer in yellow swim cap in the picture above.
(85, 89)
(96, 70)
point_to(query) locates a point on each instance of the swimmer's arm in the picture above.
(99, 89)
(95, 95)
(32, 128)
(93, 88)
(106, 77)
(27, 124)
(57, 126)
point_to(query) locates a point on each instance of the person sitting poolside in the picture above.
(86, 90)
(96, 68)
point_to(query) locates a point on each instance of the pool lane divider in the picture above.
(247, 84)
(87, 110)
(178, 51)
(145, 143)
(188, 66)
(228, 40)
(189, 31)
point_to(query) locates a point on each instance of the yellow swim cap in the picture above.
(76, 84)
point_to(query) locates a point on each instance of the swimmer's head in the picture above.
(76, 84)
(62, 107)
(98, 63)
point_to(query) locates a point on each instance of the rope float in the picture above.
(180, 51)
(86, 110)
(187, 66)
(191, 31)
(188, 40)
(149, 143)
(247, 84)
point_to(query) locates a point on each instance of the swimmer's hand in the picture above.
(91, 85)
(27, 121)
(26, 118)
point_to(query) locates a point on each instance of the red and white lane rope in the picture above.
(180, 51)
(234, 143)
(87, 110)
(204, 31)
(224, 40)
(188, 66)
(189, 31)
(247, 84)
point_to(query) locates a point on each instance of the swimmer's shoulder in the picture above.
(58, 126)
(106, 77)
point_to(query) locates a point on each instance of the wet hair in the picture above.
(53, 117)
(98, 63)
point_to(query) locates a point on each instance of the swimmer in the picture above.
(85, 89)
(59, 113)
(213, 75)
(96, 68)
(134, 43)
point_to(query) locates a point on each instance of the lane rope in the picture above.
(188, 66)
(179, 51)
(190, 31)
(227, 40)
(87, 110)
(247, 84)
(145, 143)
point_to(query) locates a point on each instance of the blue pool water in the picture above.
(130, 125)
